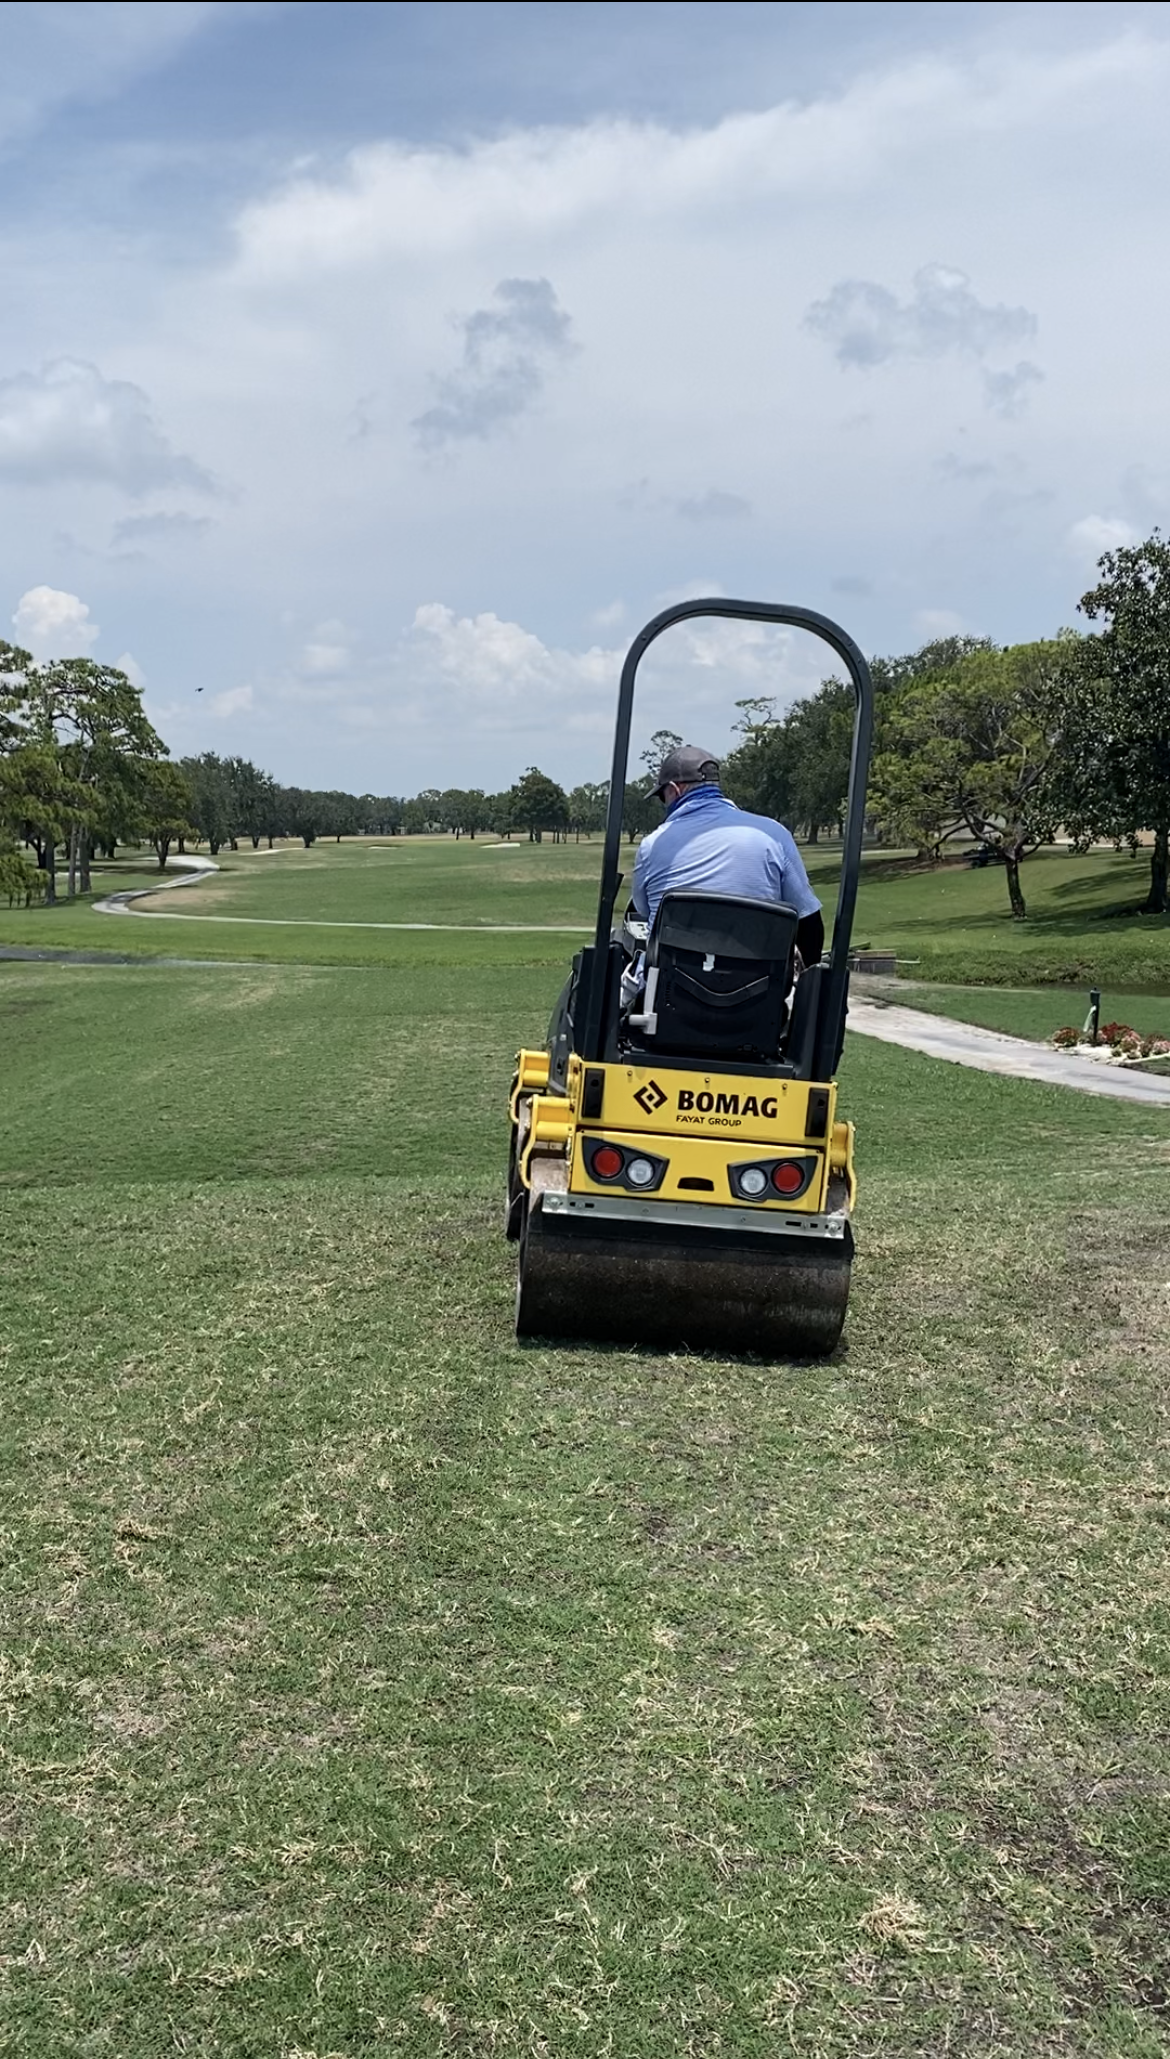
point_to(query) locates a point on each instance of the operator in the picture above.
(709, 845)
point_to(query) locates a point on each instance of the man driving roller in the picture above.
(710, 846)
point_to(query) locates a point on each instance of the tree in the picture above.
(797, 769)
(499, 815)
(975, 748)
(304, 813)
(538, 803)
(587, 807)
(640, 811)
(19, 880)
(91, 716)
(661, 744)
(164, 805)
(213, 810)
(1116, 731)
(39, 801)
(253, 795)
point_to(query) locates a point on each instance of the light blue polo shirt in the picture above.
(709, 845)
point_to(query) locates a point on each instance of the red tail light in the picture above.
(788, 1178)
(607, 1162)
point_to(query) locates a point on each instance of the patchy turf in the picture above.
(372, 1686)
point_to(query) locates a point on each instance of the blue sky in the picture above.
(377, 369)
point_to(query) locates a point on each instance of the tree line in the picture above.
(1008, 746)
(1005, 745)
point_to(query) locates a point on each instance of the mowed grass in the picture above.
(1033, 1012)
(373, 1686)
(328, 905)
(950, 924)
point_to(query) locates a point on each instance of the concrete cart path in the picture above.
(937, 1036)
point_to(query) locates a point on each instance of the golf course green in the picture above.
(374, 1686)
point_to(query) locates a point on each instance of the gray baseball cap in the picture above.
(686, 766)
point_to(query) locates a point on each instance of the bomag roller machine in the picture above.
(679, 1173)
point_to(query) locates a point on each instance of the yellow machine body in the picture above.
(701, 1124)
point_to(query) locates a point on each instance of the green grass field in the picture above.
(1034, 1012)
(372, 1686)
(948, 925)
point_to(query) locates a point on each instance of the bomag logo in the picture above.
(650, 1097)
(726, 1104)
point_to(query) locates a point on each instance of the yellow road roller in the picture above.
(679, 1172)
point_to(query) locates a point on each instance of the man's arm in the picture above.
(639, 896)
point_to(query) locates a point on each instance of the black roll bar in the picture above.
(832, 1018)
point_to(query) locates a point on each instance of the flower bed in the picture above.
(1118, 1042)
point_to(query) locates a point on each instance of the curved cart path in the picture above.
(992, 1051)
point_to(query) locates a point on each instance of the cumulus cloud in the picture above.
(1006, 393)
(68, 423)
(235, 701)
(500, 662)
(507, 349)
(163, 527)
(1089, 538)
(713, 506)
(327, 652)
(129, 664)
(496, 674)
(868, 325)
(54, 624)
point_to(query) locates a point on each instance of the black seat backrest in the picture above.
(718, 974)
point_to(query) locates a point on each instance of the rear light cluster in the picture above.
(614, 1166)
(771, 1179)
(641, 1172)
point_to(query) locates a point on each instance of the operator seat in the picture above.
(718, 976)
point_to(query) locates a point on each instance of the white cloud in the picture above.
(128, 664)
(54, 624)
(1089, 538)
(67, 422)
(236, 700)
(933, 622)
(328, 651)
(410, 200)
(500, 664)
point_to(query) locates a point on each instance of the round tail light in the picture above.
(788, 1179)
(753, 1181)
(640, 1172)
(607, 1162)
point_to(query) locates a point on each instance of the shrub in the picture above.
(1065, 1039)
